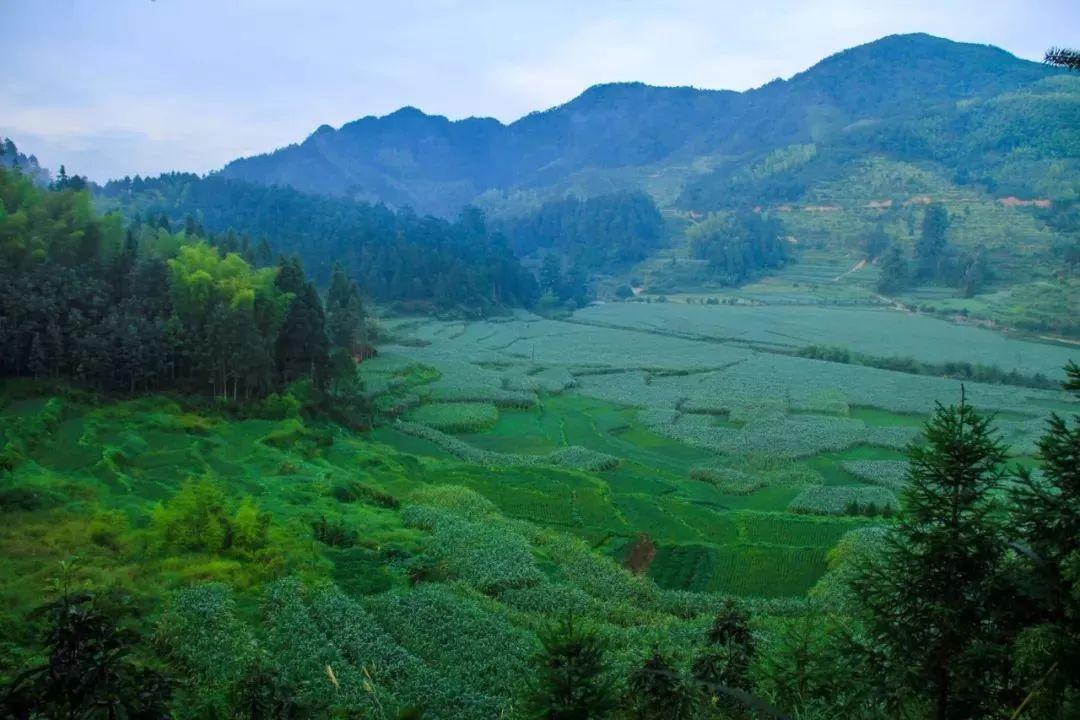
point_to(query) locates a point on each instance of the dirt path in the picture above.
(854, 268)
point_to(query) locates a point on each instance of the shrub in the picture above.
(334, 533)
(198, 518)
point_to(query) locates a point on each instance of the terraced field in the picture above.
(742, 464)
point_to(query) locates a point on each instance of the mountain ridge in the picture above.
(436, 165)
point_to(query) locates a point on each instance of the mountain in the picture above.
(683, 144)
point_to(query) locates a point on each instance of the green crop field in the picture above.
(725, 445)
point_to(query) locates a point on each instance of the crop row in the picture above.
(575, 457)
(456, 417)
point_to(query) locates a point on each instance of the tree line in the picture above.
(141, 307)
(397, 256)
(935, 261)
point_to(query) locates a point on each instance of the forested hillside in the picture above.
(917, 96)
(133, 308)
(395, 256)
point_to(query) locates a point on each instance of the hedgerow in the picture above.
(844, 500)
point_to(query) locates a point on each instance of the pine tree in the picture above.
(932, 241)
(657, 691)
(731, 649)
(929, 602)
(1046, 514)
(89, 671)
(571, 679)
(895, 274)
(551, 274)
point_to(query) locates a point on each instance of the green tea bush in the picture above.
(456, 417)
(600, 576)
(844, 500)
(462, 501)
(304, 658)
(834, 587)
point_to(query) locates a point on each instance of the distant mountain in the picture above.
(908, 97)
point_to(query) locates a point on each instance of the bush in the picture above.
(334, 533)
(198, 518)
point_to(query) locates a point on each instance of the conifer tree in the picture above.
(571, 677)
(929, 603)
(1046, 514)
(932, 241)
(657, 691)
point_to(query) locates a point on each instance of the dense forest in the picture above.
(140, 308)
(395, 256)
(738, 246)
(600, 232)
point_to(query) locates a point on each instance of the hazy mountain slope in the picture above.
(620, 135)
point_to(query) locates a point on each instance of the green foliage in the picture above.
(91, 668)
(571, 679)
(456, 417)
(487, 555)
(597, 233)
(842, 500)
(572, 457)
(929, 601)
(198, 518)
(394, 256)
(738, 247)
(1045, 508)
(657, 691)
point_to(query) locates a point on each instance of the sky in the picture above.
(123, 87)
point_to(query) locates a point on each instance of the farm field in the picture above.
(742, 466)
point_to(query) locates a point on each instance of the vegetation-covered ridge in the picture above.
(395, 256)
(138, 308)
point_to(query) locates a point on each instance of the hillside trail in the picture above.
(854, 268)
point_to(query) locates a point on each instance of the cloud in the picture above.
(190, 85)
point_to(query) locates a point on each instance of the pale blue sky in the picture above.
(116, 87)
